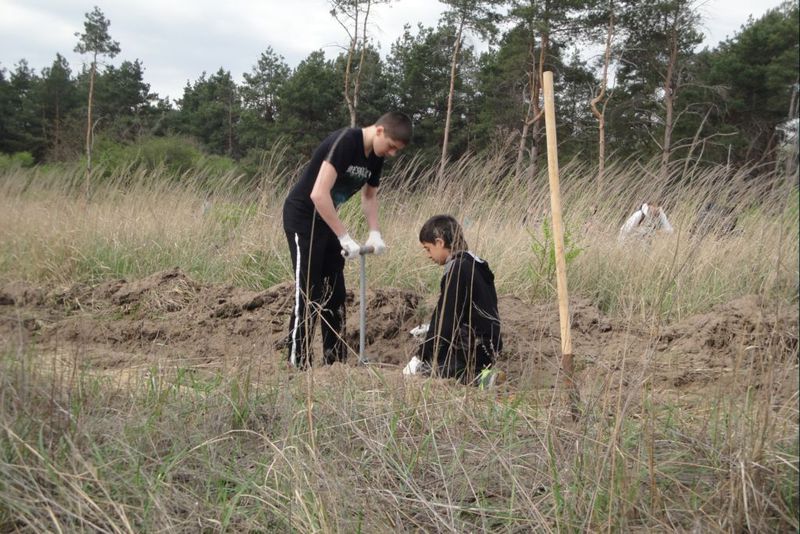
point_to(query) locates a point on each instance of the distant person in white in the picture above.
(645, 222)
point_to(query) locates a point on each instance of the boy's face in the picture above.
(383, 145)
(436, 251)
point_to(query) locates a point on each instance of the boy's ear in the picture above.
(439, 242)
(379, 130)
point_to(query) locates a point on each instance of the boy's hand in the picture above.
(376, 242)
(413, 366)
(350, 248)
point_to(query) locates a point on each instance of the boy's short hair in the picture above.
(397, 125)
(446, 228)
(650, 209)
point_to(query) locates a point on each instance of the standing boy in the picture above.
(347, 161)
(463, 337)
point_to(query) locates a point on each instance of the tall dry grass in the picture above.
(182, 451)
(339, 449)
(136, 223)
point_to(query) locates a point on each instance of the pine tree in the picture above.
(95, 41)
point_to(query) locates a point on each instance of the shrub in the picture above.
(175, 154)
(17, 160)
(542, 268)
(216, 165)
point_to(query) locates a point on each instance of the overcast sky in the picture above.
(176, 40)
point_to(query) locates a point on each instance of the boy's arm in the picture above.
(446, 316)
(630, 224)
(369, 203)
(665, 225)
(323, 202)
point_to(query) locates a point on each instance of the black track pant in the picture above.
(319, 292)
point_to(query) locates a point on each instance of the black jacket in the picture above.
(465, 325)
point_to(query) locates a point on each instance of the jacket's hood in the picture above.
(480, 265)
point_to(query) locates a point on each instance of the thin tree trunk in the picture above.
(523, 138)
(533, 169)
(89, 139)
(669, 103)
(230, 123)
(357, 84)
(534, 113)
(526, 122)
(791, 157)
(456, 49)
(601, 115)
(57, 134)
(538, 112)
(695, 140)
(350, 52)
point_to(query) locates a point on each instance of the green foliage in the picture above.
(18, 160)
(260, 269)
(95, 38)
(759, 69)
(376, 93)
(542, 269)
(735, 94)
(261, 99)
(217, 166)
(175, 154)
(122, 99)
(419, 74)
(503, 80)
(311, 103)
(659, 41)
(60, 103)
(21, 123)
(210, 109)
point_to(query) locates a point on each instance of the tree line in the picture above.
(647, 91)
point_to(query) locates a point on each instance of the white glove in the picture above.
(376, 242)
(420, 331)
(350, 248)
(412, 366)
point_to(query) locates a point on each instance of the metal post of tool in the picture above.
(362, 304)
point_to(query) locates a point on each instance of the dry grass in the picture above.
(342, 450)
(175, 451)
(137, 224)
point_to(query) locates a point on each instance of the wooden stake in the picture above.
(558, 238)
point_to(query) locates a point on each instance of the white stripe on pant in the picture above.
(293, 357)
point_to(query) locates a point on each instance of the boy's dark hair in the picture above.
(446, 228)
(397, 125)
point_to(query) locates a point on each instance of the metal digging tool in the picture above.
(362, 304)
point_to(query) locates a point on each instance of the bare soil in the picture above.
(124, 327)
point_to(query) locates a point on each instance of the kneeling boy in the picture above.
(463, 338)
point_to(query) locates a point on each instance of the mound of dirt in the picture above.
(740, 337)
(170, 319)
(746, 321)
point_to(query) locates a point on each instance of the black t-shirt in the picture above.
(344, 149)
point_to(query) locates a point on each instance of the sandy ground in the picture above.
(126, 327)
